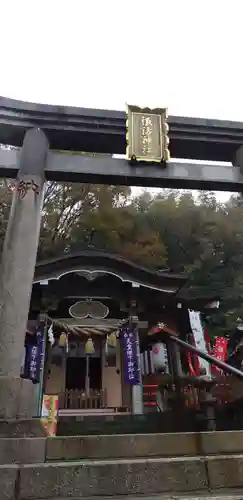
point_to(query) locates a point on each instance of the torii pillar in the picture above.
(16, 275)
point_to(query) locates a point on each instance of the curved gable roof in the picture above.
(93, 263)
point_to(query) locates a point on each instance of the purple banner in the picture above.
(34, 362)
(128, 338)
(34, 359)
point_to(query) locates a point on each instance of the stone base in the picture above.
(111, 478)
(121, 446)
(143, 445)
(171, 477)
(17, 398)
(201, 477)
(22, 428)
(8, 481)
(165, 497)
(22, 442)
(22, 450)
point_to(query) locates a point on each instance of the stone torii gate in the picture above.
(47, 142)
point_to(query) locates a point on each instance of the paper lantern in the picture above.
(111, 340)
(89, 346)
(160, 357)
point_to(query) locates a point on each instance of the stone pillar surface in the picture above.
(16, 274)
(238, 158)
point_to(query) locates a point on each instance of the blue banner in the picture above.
(128, 337)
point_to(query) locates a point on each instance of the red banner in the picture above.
(220, 353)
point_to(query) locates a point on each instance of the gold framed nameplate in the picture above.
(147, 134)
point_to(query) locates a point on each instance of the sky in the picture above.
(182, 54)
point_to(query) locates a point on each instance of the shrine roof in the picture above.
(93, 264)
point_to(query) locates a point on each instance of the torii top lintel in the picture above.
(104, 131)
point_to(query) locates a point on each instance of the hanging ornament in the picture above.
(62, 340)
(111, 340)
(51, 335)
(89, 346)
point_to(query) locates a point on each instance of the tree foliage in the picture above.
(172, 230)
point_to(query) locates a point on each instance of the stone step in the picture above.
(17, 428)
(26, 450)
(126, 424)
(22, 450)
(143, 445)
(163, 497)
(183, 476)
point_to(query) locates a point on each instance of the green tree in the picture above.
(173, 229)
